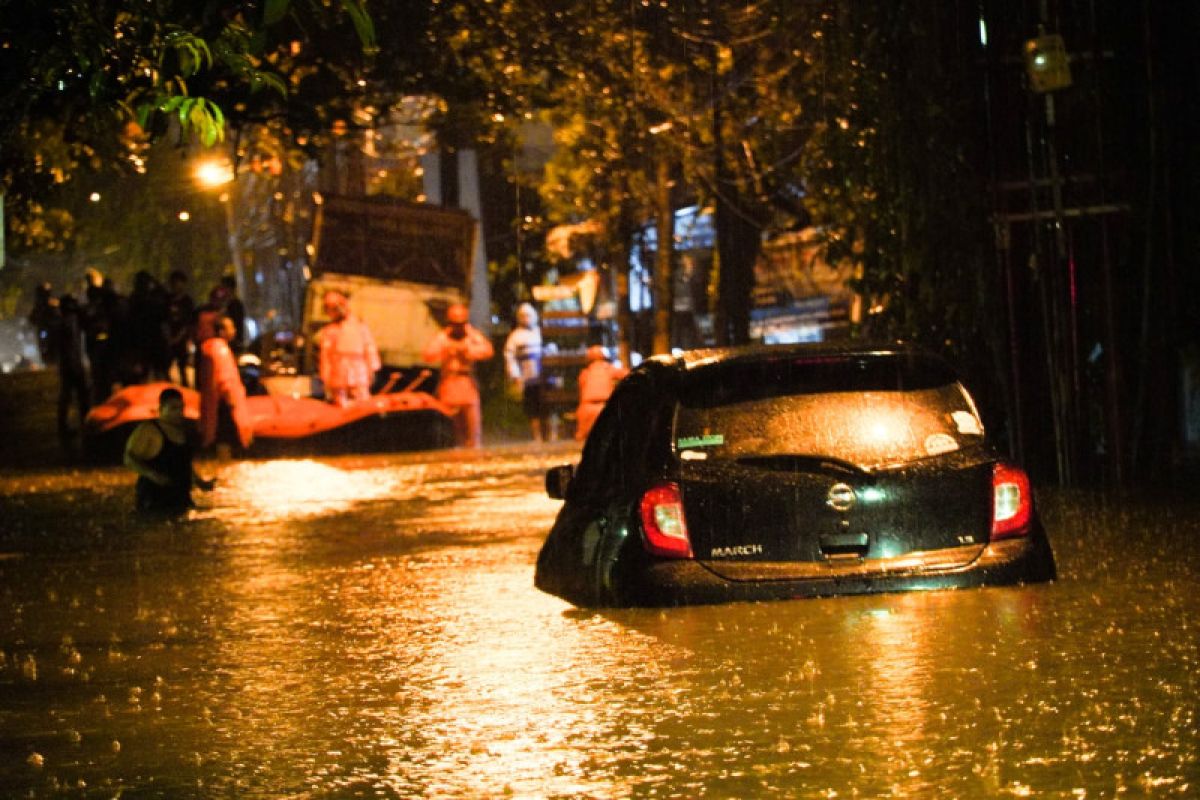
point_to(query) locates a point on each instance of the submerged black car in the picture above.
(788, 471)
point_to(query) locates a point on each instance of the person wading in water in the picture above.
(160, 452)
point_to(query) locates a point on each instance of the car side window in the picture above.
(611, 457)
(592, 477)
(639, 413)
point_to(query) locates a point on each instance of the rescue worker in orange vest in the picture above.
(224, 416)
(349, 358)
(596, 382)
(455, 349)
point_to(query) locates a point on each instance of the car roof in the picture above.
(690, 360)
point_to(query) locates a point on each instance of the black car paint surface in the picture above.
(796, 471)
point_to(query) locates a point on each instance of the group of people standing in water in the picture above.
(161, 452)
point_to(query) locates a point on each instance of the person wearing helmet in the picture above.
(596, 383)
(455, 349)
(523, 363)
(348, 358)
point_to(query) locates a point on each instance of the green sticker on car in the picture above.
(707, 440)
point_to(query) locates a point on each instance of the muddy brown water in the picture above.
(367, 627)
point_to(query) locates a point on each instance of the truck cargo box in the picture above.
(400, 263)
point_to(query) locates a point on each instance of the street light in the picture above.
(213, 173)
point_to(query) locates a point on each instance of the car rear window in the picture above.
(873, 411)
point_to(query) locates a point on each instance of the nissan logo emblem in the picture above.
(841, 497)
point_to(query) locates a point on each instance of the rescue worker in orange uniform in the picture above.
(455, 349)
(596, 383)
(224, 417)
(349, 358)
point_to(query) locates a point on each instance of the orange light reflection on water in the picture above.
(479, 684)
(896, 655)
(272, 491)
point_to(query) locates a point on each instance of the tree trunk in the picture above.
(738, 246)
(616, 252)
(739, 241)
(663, 258)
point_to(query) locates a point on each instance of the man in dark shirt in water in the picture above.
(160, 453)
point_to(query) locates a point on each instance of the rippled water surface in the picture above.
(368, 627)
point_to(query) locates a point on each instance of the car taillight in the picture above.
(663, 525)
(1012, 502)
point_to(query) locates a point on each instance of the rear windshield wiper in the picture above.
(800, 462)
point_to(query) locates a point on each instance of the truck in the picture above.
(402, 264)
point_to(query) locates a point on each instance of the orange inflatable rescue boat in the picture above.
(287, 425)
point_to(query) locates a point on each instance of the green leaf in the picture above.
(144, 110)
(207, 120)
(210, 134)
(194, 53)
(362, 25)
(269, 80)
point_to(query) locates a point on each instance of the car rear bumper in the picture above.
(687, 582)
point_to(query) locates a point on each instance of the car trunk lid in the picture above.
(798, 517)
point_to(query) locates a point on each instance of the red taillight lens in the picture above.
(1012, 502)
(663, 524)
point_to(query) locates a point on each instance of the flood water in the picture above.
(368, 627)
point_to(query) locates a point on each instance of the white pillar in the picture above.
(431, 177)
(468, 199)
